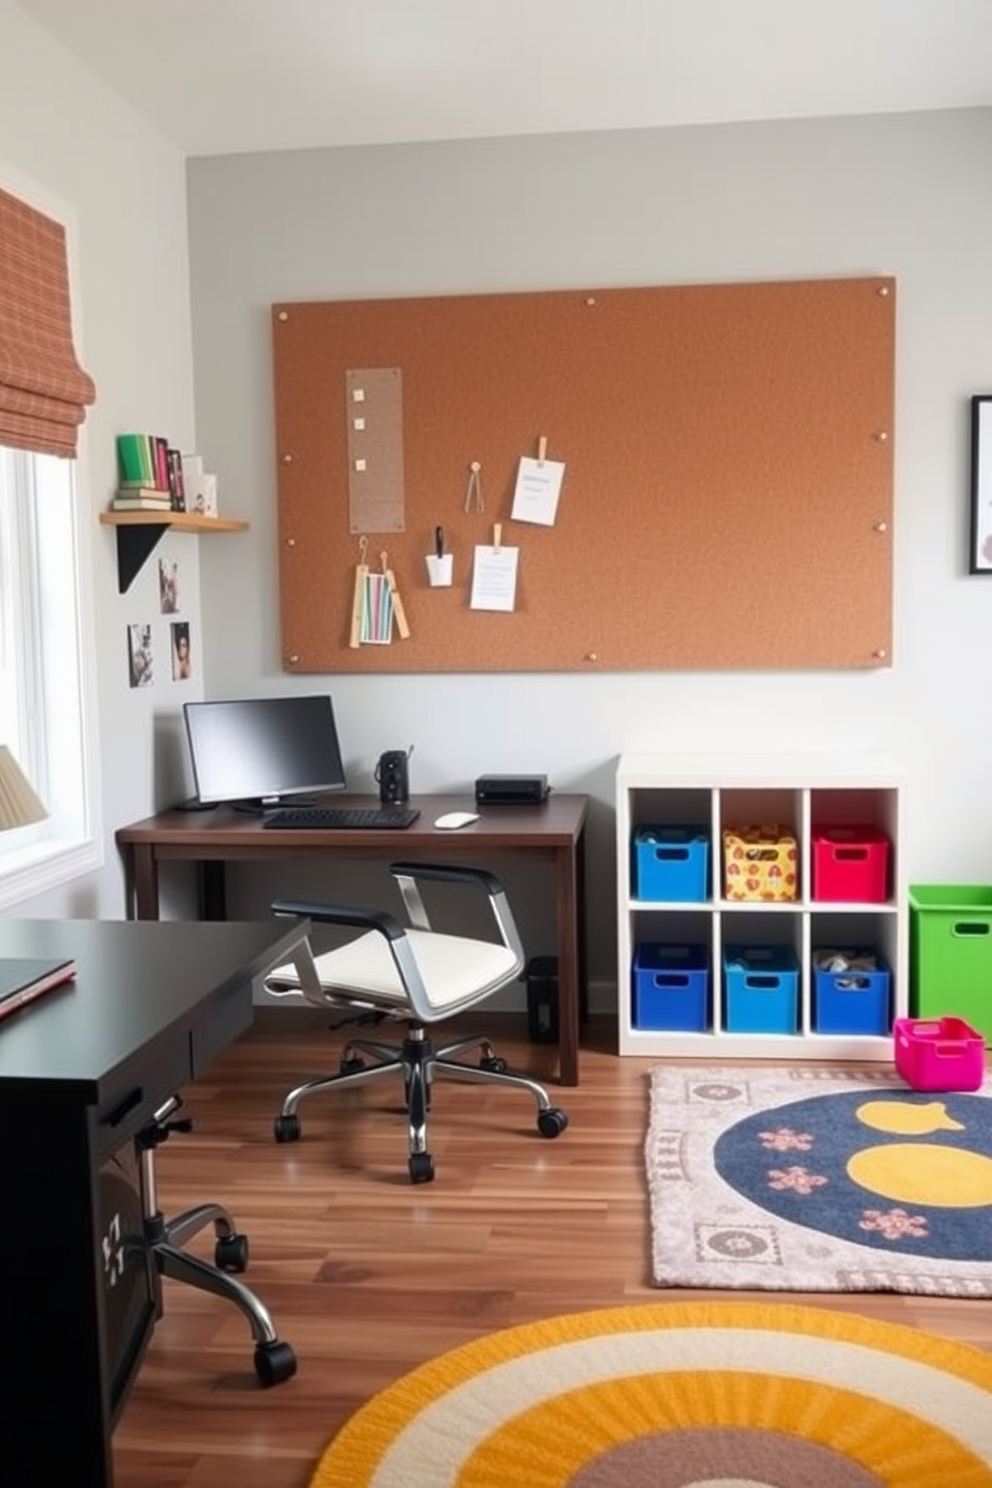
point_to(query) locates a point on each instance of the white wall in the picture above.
(66, 137)
(902, 195)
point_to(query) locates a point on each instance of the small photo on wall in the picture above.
(168, 586)
(139, 655)
(182, 657)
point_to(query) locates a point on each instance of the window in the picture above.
(43, 693)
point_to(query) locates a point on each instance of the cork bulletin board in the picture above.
(726, 500)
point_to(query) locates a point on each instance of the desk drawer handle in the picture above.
(126, 1106)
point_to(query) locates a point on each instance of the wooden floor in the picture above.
(367, 1275)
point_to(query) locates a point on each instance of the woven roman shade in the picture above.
(43, 389)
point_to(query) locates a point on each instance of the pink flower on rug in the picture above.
(895, 1224)
(799, 1180)
(785, 1140)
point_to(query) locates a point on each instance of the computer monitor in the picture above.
(259, 751)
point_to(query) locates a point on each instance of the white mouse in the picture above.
(452, 819)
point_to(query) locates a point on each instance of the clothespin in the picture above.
(358, 599)
(542, 448)
(497, 536)
(394, 594)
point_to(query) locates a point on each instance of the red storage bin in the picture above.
(850, 864)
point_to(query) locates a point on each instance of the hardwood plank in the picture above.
(367, 1276)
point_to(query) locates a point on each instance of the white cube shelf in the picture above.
(806, 793)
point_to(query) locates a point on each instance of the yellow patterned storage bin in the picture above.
(760, 863)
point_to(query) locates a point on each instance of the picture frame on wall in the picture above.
(980, 558)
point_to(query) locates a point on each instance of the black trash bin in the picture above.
(541, 977)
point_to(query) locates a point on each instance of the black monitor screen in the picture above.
(259, 750)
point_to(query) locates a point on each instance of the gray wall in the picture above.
(902, 194)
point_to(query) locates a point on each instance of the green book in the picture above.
(134, 460)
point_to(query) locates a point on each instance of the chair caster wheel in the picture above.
(274, 1362)
(286, 1128)
(494, 1064)
(552, 1122)
(421, 1168)
(231, 1253)
(351, 1066)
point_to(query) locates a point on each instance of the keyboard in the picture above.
(341, 818)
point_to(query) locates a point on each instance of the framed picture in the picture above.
(981, 484)
(139, 654)
(182, 659)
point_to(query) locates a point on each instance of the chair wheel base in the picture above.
(421, 1167)
(274, 1362)
(231, 1253)
(286, 1128)
(552, 1122)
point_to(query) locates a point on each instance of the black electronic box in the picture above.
(511, 790)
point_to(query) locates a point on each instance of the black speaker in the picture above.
(393, 776)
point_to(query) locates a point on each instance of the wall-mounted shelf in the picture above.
(138, 533)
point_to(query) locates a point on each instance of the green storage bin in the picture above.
(950, 953)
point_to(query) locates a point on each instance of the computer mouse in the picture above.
(452, 819)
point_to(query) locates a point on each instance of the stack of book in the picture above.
(150, 474)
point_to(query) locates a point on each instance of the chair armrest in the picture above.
(341, 914)
(380, 921)
(450, 873)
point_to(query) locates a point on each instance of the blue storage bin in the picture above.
(854, 999)
(671, 863)
(761, 988)
(671, 987)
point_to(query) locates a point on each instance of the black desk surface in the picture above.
(136, 982)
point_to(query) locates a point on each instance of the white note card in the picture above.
(535, 497)
(494, 578)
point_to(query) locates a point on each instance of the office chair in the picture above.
(164, 1239)
(417, 976)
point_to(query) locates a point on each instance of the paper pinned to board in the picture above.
(538, 488)
(494, 576)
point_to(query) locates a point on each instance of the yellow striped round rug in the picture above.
(714, 1395)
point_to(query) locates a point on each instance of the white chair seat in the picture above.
(455, 971)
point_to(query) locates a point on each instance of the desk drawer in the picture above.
(139, 1092)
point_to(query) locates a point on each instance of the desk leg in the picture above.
(569, 964)
(142, 883)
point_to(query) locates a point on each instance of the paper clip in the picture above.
(474, 491)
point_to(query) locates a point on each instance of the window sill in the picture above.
(26, 872)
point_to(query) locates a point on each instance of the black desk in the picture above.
(81, 1071)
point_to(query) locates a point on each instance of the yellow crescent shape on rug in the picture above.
(923, 1173)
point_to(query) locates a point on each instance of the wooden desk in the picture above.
(552, 833)
(82, 1070)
